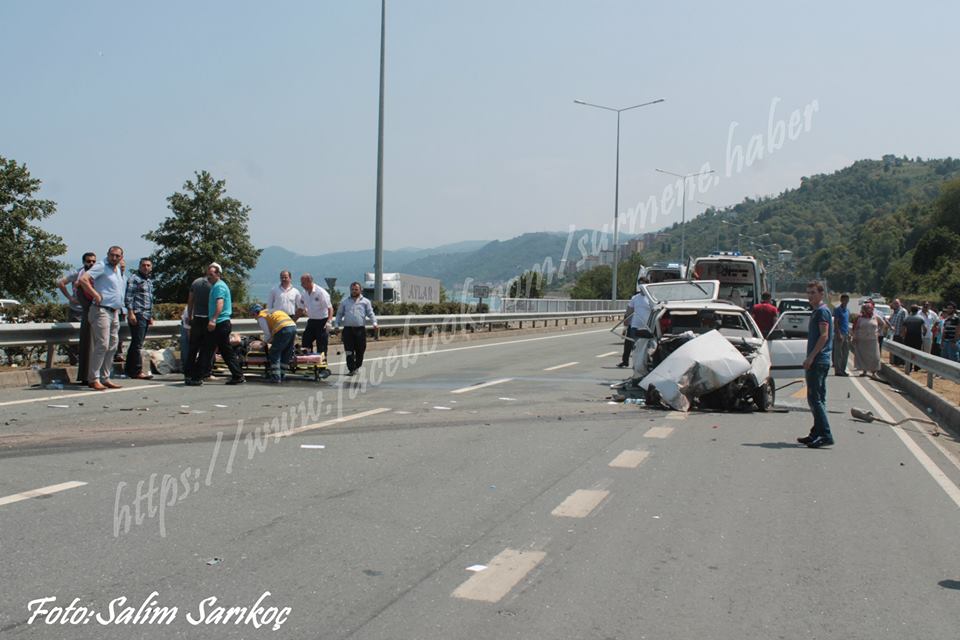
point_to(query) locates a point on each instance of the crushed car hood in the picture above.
(704, 364)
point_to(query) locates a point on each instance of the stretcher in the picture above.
(253, 359)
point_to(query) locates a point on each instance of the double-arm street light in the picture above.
(683, 207)
(616, 188)
(740, 236)
(735, 225)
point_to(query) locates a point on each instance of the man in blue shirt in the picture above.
(817, 365)
(219, 310)
(352, 315)
(841, 336)
(103, 284)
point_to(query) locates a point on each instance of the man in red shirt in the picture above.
(765, 314)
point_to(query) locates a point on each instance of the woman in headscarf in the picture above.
(866, 347)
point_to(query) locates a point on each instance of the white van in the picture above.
(742, 278)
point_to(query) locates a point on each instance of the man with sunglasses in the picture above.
(103, 283)
(79, 306)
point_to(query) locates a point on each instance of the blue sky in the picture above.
(115, 104)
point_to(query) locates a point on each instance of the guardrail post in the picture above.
(929, 379)
(50, 350)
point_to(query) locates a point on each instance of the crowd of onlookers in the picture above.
(103, 294)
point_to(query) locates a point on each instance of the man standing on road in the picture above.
(930, 317)
(816, 366)
(285, 296)
(79, 307)
(103, 284)
(949, 333)
(139, 299)
(764, 314)
(219, 310)
(635, 318)
(197, 309)
(896, 325)
(912, 331)
(841, 336)
(352, 316)
(279, 331)
(319, 310)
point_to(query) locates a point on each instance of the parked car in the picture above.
(7, 305)
(787, 342)
(683, 311)
(793, 304)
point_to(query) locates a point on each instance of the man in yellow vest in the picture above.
(279, 331)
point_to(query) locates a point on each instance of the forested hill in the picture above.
(858, 227)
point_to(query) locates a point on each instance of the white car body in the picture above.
(787, 343)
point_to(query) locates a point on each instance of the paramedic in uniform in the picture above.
(319, 311)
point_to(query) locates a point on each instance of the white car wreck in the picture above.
(698, 351)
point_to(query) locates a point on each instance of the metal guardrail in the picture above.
(547, 305)
(933, 365)
(32, 334)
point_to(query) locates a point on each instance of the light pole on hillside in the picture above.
(683, 207)
(616, 187)
(378, 245)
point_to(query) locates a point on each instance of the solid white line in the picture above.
(502, 574)
(658, 432)
(482, 385)
(328, 423)
(629, 459)
(949, 455)
(935, 472)
(42, 491)
(580, 503)
(561, 366)
(64, 396)
(607, 354)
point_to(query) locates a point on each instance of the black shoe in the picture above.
(820, 441)
(623, 365)
(233, 381)
(193, 383)
(842, 375)
(805, 440)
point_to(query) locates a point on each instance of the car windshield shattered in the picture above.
(703, 290)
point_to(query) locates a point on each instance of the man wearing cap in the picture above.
(279, 331)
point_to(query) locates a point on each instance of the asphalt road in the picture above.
(589, 519)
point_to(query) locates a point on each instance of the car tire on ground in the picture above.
(765, 396)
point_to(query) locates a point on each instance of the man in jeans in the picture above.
(103, 284)
(219, 310)
(949, 333)
(841, 336)
(79, 310)
(816, 366)
(139, 299)
(198, 303)
(279, 332)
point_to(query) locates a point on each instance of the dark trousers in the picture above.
(193, 367)
(83, 349)
(133, 365)
(315, 332)
(893, 359)
(354, 344)
(219, 338)
(628, 345)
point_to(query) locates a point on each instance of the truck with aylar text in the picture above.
(403, 287)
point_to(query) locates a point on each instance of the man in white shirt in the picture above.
(929, 318)
(316, 304)
(285, 297)
(638, 312)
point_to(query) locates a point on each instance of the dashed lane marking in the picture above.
(658, 432)
(580, 503)
(329, 423)
(677, 415)
(42, 491)
(561, 366)
(607, 354)
(938, 475)
(482, 385)
(629, 459)
(502, 574)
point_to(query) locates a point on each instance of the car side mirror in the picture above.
(777, 334)
(644, 333)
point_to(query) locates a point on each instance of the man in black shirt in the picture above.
(948, 345)
(912, 331)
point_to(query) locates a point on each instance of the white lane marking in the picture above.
(503, 573)
(949, 455)
(629, 459)
(481, 385)
(64, 396)
(658, 432)
(607, 354)
(42, 491)
(561, 366)
(580, 503)
(677, 415)
(935, 472)
(328, 423)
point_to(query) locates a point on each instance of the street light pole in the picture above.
(616, 188)
(378, 247)
(683, 207)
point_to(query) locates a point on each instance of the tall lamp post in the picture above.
(616, 188)
(737, 225)
(683, 207)
(378, 248)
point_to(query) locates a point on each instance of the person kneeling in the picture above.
(279, 332)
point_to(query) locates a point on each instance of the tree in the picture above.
(206, 226)
(28, 254)
(594, 284)
(530, 284)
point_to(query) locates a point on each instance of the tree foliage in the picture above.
(529, 284)
(28, 254)
(205, 226)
